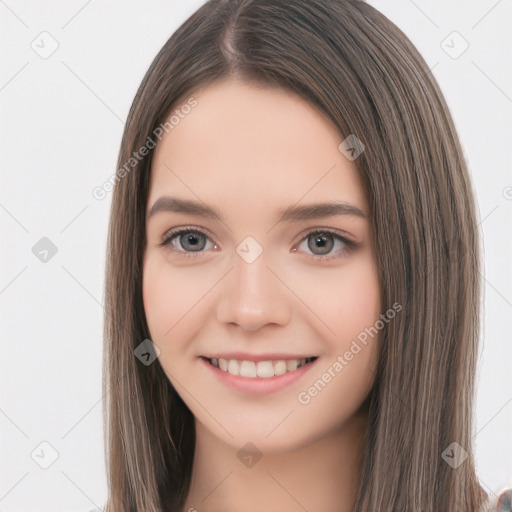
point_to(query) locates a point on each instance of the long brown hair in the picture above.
(355, 65)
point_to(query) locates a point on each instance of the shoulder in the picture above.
(503, 503)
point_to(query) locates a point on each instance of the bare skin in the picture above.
(249, 152)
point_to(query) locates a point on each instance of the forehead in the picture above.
(248, 145)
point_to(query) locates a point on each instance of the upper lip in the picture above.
(243, 356)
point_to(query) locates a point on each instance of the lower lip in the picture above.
(258, 385)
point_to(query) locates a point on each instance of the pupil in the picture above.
(321, 242)
(192, 239)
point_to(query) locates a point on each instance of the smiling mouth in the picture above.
(260, 369)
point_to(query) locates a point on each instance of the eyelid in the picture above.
(349, 239)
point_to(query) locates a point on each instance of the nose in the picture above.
(254, 295)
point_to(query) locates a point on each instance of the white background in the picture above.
(62, 120)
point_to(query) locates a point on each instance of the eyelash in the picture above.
(173, 233)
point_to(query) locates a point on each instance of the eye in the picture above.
(193, 241)
(324, 240)
(190, 239)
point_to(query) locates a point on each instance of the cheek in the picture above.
(359, 302)
(158, 300)
(345, 300)
(336, 390)
(172, 299)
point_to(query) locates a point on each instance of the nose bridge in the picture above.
(253, 296)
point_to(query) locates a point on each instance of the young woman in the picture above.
(292, 282)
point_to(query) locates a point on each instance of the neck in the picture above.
(322, 476)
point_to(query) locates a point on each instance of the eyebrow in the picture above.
(289, 214)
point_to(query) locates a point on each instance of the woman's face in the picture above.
(257, 291)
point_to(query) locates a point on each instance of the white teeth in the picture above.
(262, 369)
(247, 369)
(233, 367)
(265, 369)
(279, 367)
(291, 365)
